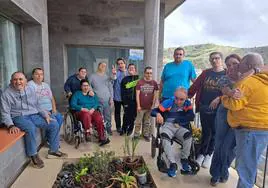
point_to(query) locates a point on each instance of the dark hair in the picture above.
(214, 53)
(35, 69)
(131, 64)
(148, 68)
(180, 48)
(235, 56)
(81, 69)
(120, 59)
(83, 81)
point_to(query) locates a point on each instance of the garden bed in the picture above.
(103, 169)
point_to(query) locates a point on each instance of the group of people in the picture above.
(232, 101)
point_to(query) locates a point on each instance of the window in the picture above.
(10, 51)
(90, 57)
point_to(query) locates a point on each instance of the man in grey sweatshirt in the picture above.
(20, 111)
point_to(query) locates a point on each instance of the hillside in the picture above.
(198, 54)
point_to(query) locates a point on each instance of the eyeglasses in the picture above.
(85, 85)
(178, 55)
(180, 99)
(216, 58)
(148, 72)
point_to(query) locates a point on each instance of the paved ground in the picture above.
(44, 178)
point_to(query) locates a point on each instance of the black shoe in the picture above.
(214, 182)
(119, 130)
(129, 133)
(223, 180)
(104, 142)
(37, 161)
(147, 138)
(122, 133)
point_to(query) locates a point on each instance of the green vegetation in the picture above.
(198, 54)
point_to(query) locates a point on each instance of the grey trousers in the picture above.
(182, 134)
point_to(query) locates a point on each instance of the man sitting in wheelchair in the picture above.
(175, 115)
(86, 110)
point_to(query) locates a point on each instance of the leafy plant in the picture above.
(78, 175)
(125, 180)
(142, 169)
(126, 147)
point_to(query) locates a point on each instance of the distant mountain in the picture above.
(199, 54)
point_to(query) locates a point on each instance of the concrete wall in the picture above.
(90, 22)
(32, 16)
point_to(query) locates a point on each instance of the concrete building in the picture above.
(62, 35)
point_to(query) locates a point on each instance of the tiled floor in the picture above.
(44, 178)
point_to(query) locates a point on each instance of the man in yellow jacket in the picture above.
(249, 116)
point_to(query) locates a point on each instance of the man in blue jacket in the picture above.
(174, 115)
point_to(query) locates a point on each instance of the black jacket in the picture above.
(128, 89)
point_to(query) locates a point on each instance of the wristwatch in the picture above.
(256, 70)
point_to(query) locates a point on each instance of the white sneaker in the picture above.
(200, 159)
(207, 161)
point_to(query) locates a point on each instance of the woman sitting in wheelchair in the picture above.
(86, 110)
(175, 115)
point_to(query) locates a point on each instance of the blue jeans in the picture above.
(250, 146)
(29, 123)
(106, 112)
(58, 117)
(224, 152)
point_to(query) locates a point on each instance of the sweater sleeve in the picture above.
(74, 102)
(236, 104)
(197, 84)
(67, 88)
(5, 107)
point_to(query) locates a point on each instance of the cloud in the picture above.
(241, 23)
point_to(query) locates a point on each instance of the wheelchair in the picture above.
(162, 165)
(74, 132)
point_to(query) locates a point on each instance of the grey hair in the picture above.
(254, 59)
(181, 89)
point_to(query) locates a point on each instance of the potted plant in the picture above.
(141, 173)
(131, 160)
(125, 180)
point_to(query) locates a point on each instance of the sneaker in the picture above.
(214, 182)
(172, 171)
(122, 133)
(200, 159)
(37, 161)
(104, 142)
(129, 133)
(185, 165)
(207, 161)
(88, 137)
(56, 155)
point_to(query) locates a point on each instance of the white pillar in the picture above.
(151, 34)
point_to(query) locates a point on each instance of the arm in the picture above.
(5, 112)
(96, 106)
(54, 108)
(155, 100)
(74, 102)
(67, 88)
(138, 99)
(196, 84)
(193, 73)
(236, 104)
(160, 89)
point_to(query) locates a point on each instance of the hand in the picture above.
(84, 110)
(237, 94)
(47, 119)
(214, 104)
(159, 119)
(113, 70)
(14, 130)
(138, 108)
(54, 111)
(91, 93)
(69, 94)
(91, 111)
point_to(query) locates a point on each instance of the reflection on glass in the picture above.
(10, 50)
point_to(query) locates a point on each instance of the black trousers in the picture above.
(117, 114)
(130, 113)
(208, 132)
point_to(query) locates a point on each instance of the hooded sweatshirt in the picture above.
(19, 103)
(250, 111)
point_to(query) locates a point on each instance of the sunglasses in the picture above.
(180, 99)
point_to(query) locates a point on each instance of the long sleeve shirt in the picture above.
(79, 101)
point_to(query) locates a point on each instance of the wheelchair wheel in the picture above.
(68, 128)
(153, 146)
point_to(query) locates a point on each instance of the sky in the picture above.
(238, 23)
